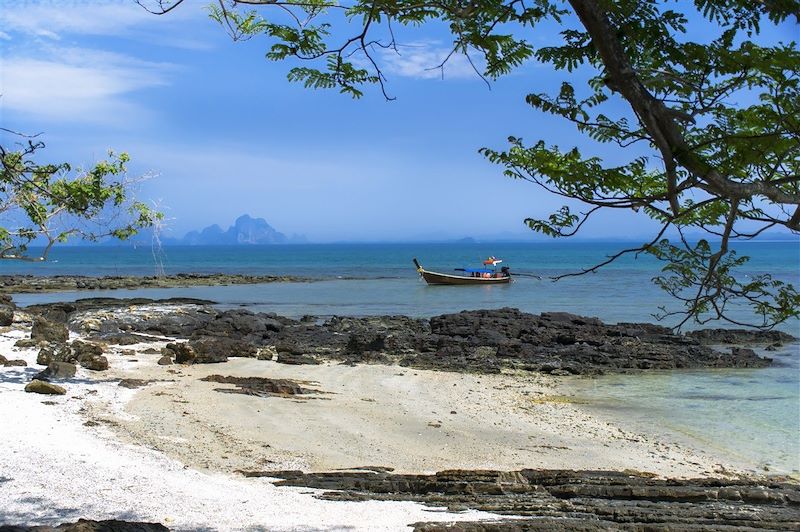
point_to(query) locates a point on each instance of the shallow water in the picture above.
(751, 417)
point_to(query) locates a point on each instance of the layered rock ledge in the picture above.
(61, 283)
(571, 500)
(485, 341)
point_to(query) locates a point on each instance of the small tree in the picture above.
(712, 127)
(51, 203)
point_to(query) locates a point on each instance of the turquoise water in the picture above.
(750, 416)
(388, 284)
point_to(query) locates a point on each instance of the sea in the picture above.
(751, 417)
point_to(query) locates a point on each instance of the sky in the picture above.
(220, 132)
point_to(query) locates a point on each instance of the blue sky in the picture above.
(223, 132)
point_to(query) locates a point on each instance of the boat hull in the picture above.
(445, 279)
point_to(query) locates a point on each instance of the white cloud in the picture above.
(53, 18)
(421, 60)
(77, 84)
(121, 18)
(44, 74)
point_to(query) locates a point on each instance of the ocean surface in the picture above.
(751, 416)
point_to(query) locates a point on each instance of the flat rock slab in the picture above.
(134, 383)
(588, 500)
(262, 386)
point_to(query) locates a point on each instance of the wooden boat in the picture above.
(486, 276)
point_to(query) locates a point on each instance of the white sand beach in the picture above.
(168, 452)
(55, 469)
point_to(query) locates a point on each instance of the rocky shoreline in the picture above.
(483, 341)
(26, 284)
(570, 500)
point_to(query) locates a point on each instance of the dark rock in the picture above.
(261, 386)
(739, 336)
(6, 315)
(357, 343)
(48, 331)
(210, 350)
(45, 356)
(182, 353)
(44, 387)
(94, 362)
(295, 359)
(745, 358)
(239, 324)
(16, 362)
(27, 342)
(87, 354)
(133, 383)
(125, 338)
(56, 370)
(86, 525)
(165, 360)
(485, 341)
(81, 349)
(55, 312)
(54, 353)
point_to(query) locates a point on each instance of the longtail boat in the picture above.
(474, 275)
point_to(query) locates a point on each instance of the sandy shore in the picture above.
(413, 421)
(168, 451)
(58, 464)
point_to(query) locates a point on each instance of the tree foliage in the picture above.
(46, 204)
(712, 124)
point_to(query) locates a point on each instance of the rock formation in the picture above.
(477, 341)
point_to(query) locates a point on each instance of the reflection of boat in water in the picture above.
(473, 275)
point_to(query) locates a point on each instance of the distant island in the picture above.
(244, 231)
